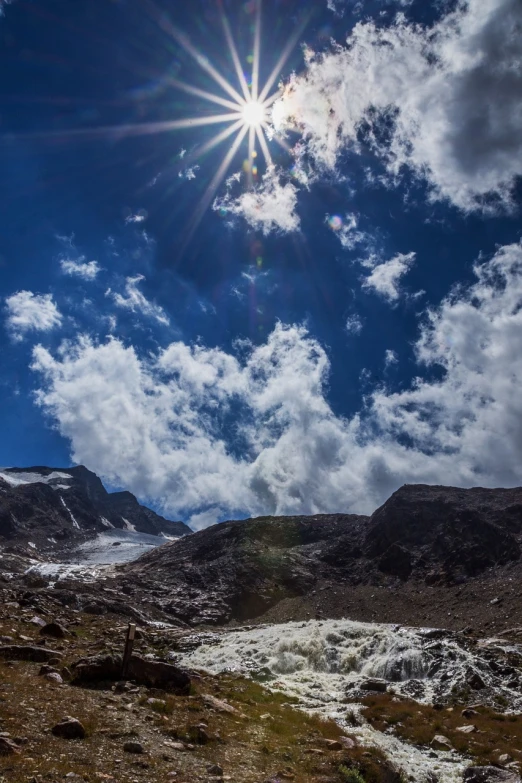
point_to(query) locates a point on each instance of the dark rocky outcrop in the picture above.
(490, 775)
(24, 652)
(238, 570)
(460, 531)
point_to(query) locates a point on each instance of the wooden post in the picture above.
(129, 643)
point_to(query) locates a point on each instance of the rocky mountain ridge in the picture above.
(422, 535)
(54, 507)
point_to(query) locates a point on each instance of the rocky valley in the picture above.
(332, 648)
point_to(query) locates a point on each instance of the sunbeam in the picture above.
(212, 188)
(257, 53)
(235, 57)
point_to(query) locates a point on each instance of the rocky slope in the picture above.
(422, 536)
(55, 507)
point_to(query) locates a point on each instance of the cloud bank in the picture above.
(170, 426)
(444, 101)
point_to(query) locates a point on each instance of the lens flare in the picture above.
(335, 222)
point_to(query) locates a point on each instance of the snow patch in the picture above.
(105, 522)
(17, 479)
(73, 520)
(129, 526)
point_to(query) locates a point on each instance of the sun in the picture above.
(254, 114)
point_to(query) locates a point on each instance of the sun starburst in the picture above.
(247, 107)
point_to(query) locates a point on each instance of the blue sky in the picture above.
(301, 337)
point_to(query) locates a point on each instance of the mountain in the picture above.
(422, 536)
(46, 506)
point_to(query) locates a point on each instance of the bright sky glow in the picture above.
(254, 114)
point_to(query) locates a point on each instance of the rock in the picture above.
(466, 729)
(157, 674)
(490, 775)
(24, 652)
(348, 743)
(54, 677)
(374, 685)
(153, 674)
(199, 734)
(156, 702)
(505, 758)
(469, 713)
(133, 747)
(286, 774)
(475, 681)
(179, 746)
(440, 742)
(220, 706)
(333, 744)
(55, 630)
(46, 669)
(215, 770)
(8, 747)
(69, 728)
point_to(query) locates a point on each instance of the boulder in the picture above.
(332, 744)
(470, 729)
(153, 674)
(55, 630)
(490, 775)
(157, 674)
(25, 652)
(133, 747)
(440, 742)
(219, 705)
(374, 685)
(98, 668)
(69, 728)
(54, 677)
(46, 669)
(475, 681)
(8, 747)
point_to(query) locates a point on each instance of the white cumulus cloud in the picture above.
(170, 426)
(385, 277)
(79, 267)
(136, 301)
(354, 325)
(29, 312)
(270, 207)
(450, 97)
